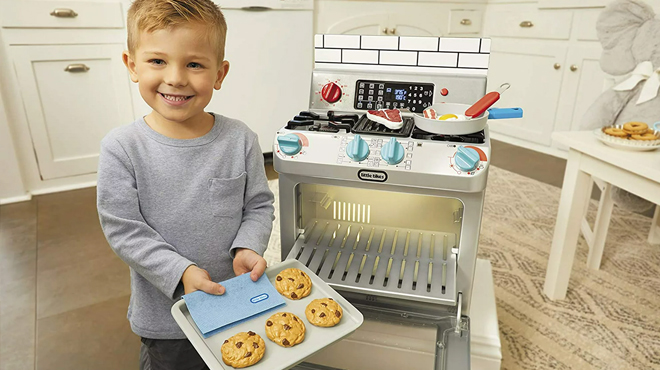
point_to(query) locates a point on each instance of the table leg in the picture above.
(575, 192)
(601, 226)
(654, 234)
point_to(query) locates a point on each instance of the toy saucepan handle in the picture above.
(476, 109)
(504, 113)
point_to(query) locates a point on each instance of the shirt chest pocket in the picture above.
(226, 196)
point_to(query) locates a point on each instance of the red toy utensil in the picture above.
(484, 103)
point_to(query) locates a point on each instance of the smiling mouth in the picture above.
(176, 98)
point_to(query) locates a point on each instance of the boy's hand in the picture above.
(246, 260)
(195, 278)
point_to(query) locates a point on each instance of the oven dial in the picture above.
(358, 149)
(290, 144)
(466, 159)
(331, 92)
(392, 152)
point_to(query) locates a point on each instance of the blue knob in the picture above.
(357, 150)
(466, 159)
(290, 144)
(392, 152)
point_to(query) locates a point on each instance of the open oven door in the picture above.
(395, 337)
(404, 327)
(395, 340)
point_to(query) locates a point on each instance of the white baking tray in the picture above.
(275, 357)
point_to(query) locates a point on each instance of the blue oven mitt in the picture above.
(243, 299)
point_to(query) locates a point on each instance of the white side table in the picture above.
(636, 172)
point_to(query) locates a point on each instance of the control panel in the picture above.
(350, 91)
(372, 94)
(382, 152)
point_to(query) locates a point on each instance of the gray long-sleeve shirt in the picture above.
(165, 204)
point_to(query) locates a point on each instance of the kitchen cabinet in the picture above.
(551, 58)
(384, 24)
(584, 81)
(397, 18)
(530, 23)
(535, 72)
(73, 96)
(270, 56)
(370, 24)
(61, 14)
(56, 117)
(411, 24)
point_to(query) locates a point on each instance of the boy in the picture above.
(182, 194)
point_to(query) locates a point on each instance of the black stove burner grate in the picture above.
(310, 121)
(369, 127)
(475, 138)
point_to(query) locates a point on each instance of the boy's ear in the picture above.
(130, 65)
(222, 73)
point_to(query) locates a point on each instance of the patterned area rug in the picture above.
(610, 318)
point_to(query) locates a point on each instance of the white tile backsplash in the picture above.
(438, 59)
(341, 41)
(485, 46)
(406, 69)
(403, 58)
(459, 44)
(327, 55)
(473, 60)
(380, 42)
(422, 54)
(360, 56)
(418, 43)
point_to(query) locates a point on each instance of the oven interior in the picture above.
(380, 243)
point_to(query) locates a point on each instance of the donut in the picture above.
(645, 136)
(616, 132)
(635, 127)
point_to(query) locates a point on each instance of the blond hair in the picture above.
(153, 15)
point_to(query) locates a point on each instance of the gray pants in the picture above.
(169, 354)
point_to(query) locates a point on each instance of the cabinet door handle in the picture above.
(386, 30)
(573, 68)
(557, 66)
(466, 22)
(526, 24)
(64, 13)
(393, 31)
(256, 8)
(74, 68)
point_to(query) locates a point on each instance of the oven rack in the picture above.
(418, 265)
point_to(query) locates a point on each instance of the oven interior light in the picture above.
(352, 212)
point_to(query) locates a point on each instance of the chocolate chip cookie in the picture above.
(243, 349)
(324, 312)
(285, 329)
(293, 283)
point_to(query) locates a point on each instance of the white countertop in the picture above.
(645, 164)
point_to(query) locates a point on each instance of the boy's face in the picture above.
(177, 71)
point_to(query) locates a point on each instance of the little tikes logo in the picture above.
(374, 176)
(259, 298)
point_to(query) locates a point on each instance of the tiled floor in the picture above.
(64, 293)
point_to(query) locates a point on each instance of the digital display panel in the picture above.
(389, 95)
